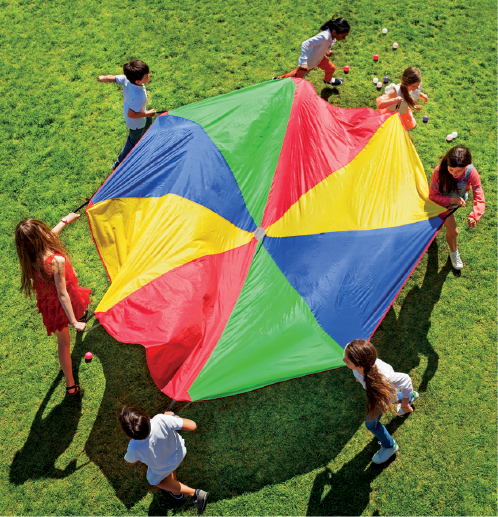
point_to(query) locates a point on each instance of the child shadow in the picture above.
(50, 436)
(348, 490)
(327, 92)
(127, 383)
(402, 340)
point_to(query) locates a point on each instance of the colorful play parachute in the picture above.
(249, 237)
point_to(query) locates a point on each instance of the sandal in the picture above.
(75, 387)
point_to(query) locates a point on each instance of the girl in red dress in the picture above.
(46, 270)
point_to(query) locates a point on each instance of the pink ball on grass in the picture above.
(379, 85)
(395, 45)
(346, 69)
(88, 355)
(376, 57)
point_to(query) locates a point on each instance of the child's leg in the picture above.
(299, 72)
(376, 428)
(64, 353)
(134, 137)
(328, 67)
(171, 484)
(451, 232)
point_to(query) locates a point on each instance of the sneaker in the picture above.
(200, 500)
(334, 82)
(456, 260)
(399, 411)
(180, 498)
(382, 455)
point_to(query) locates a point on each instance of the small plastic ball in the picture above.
(376, 57)
(454, 134)
(375, 80)
(341, 79)
(88, 355)
(426, 119)
(449, 138)
(395, 45)
(379, 85)
(346, 69)
(386, 79)
(384, 31)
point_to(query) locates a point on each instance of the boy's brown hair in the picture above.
(135, 423)
(135, 70)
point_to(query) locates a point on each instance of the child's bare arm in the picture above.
(107, 78)
(188, 425)
(58, 269)
(388, 99)
(140, 114)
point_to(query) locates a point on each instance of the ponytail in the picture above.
(381, 394)
(339, 25)
(410, 76)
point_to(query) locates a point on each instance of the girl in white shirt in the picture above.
(403, 97)
(315, 50)
(384, 387)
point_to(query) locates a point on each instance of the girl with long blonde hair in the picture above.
(384, 388)
(47, 271)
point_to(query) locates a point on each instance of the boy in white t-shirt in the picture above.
(155, 442)
(137, 118)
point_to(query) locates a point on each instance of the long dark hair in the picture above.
(339, 25)
(34, 240)
(458, 156)
(410, 76)
(381, 394)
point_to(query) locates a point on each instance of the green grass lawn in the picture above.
(299, 447)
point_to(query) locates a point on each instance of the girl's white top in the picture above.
(402, 107)
(313, 49)
(401, 381)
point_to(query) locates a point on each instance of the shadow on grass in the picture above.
(401, 340)
(348, 490)
(49, 436)
(244, 442)
(327, 92)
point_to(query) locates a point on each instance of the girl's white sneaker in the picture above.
(456, 260)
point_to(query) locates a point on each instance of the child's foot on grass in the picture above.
(383, 454)
(200, 500)
(176, 499)
(456, 260)
(333, 82)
